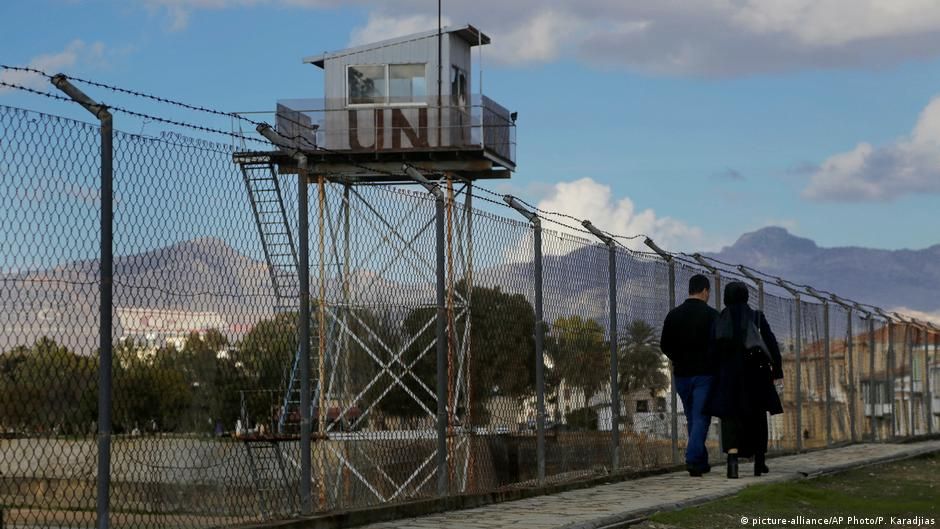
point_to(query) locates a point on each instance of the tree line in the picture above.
(208, 382)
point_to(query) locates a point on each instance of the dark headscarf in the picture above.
(731, 323)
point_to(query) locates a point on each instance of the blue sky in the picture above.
(690, 121)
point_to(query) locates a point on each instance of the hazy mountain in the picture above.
(192, 284)
(887, 278)
(201, 275)
(209, 277)
(576, 283)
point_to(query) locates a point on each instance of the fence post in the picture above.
(105, 286)
(714, 271)
(303, 314)
(798, 350)
(673, 397)
(911, 338)
(827, 362)
(906, 352)
(922, 334)
(850, 351)
(435, 190)
(928, 389)
(890, 374)
(539, 336)
(614, 373)
(872, 392)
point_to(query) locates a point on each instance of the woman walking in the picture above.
(749, 362)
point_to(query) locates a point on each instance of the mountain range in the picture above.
(887, 278)
(207, 275)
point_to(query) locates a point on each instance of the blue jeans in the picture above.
(694, 392)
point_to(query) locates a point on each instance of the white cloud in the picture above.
(75, 53)
(869, 173)
(931, 317)
(380, 27)
(587, 199)
(670, 37)
(179, 11)
(541, 39)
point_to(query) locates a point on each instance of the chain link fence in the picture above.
(207, 427)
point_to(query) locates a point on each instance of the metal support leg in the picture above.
(303, 324)
(441, 335)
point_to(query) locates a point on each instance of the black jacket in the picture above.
(687, 336)
(745, 384)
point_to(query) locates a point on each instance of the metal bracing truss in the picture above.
(366, 236)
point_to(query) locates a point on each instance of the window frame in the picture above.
(388, 80)
(364, 105)
(387, 103)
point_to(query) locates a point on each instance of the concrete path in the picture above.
(612, 505)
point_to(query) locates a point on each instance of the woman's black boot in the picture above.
(760, 465)
(732, 466)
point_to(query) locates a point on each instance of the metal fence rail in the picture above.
(527, 355)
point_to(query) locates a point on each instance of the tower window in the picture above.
(384, 84)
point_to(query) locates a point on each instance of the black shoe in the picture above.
(695, 471)
(732, 466)
(760, 467)
(706, 469)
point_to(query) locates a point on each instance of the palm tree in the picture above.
(640, 361)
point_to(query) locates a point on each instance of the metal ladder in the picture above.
(276, 495)
(267, 204)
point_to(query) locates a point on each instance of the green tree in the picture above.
(267, 351)
(640, 361)
(579, 355)
(150, 387)
(502, 353)
(46, 388)
(210, 373)
(265, 359)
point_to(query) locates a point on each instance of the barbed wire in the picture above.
(176, 123)
(34, 91)
(546, 215)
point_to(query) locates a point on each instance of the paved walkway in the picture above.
(606, 505)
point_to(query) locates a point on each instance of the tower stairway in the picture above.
(280, 253)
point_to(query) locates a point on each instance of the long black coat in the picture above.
(744, 387)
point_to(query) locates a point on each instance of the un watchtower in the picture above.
(388, 274)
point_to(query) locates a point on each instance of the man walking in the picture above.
(686, 340)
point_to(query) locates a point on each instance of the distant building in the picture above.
(155, 328)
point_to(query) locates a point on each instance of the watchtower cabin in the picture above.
(383, 102)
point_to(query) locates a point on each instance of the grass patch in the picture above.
(903, 489)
